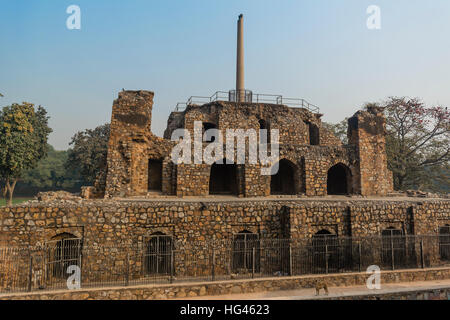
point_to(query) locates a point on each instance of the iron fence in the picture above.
(248, 96)
(160, 259)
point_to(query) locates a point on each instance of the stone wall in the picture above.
(122, 224)
(115, 233)
(218, 220)
(108, 222)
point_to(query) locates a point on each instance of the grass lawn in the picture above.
(15, 201)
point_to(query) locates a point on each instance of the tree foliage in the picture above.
(50, 174)
(339, 129)
(23, 141)
(417, 143)
(89, 151)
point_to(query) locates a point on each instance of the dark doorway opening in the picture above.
(263, 125)
(284, 181)
(339, 180)
(207, 126)
(155, 175)
(223, 179)
(246, 255)
(158, 254)
(314, 136)
(444, 242)
(64, 251)
(325, 255)
(393, 248)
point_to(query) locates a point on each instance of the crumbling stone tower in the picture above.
(135, 154)
(130, 125)
(367, 131)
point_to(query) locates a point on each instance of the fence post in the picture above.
(253, 262)
(230, 261)
(422, 260)
(30, 273)
(127, 270)
(213, 265)
(326, 258)
(359, 257)
(171, 266)
(290, 259)
(392, 253)
(262, 261)
(80, 259)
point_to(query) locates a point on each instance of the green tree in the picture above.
(89, 151)
(417, 143)
(339, 129)
(50, 174)
(23, 141)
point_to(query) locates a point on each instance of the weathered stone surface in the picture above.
(130, 220)
(56, 195)
(106, 226)
(310, 149)
(366, 131)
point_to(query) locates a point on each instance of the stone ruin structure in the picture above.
(159, 220)
(144, 201)
(312, 161)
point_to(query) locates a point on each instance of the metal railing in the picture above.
(247, 96)
(166, 261)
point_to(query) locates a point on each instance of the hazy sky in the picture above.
(319, 50)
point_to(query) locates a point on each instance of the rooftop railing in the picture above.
(248, 97)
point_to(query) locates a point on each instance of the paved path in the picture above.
(308, 294)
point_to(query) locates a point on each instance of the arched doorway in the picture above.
(324, 252)
(444, 242)
(223, 179)
(284, 182)
(158, 254)
(339, 180)
(155, 175)
(246, 253)
(64, 250)
(393, 247)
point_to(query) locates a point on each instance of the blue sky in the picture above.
(319, 50)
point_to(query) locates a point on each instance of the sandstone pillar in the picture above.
(240, 87)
